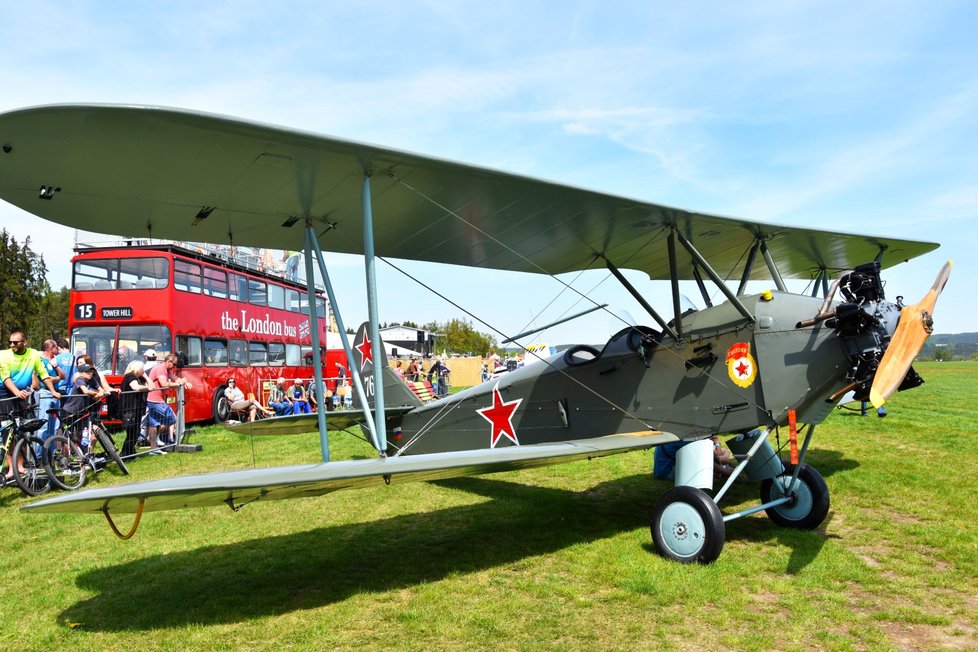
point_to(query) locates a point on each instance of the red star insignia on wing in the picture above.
(366, 352)
(500, 415)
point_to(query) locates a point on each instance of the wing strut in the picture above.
(698, 257)
(370, 265)
(638, 297)
(707, 301)
(748, 267)
(317, 361)
(775, 274)
(677, 309)
(354, 372)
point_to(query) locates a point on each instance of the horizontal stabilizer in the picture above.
(235, 488)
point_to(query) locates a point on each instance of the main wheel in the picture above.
(109, 445)
(29, 471)
(65, 463)
(809, 505)
(687, 526)
(220, 409)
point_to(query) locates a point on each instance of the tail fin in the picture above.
(396, 391)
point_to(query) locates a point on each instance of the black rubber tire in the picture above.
(811, 501)
(33, 480)
(4, 469)
(65, 462)
(109, 445)
(220, 410)
(687, 526)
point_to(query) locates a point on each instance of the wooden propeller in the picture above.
(916, 325)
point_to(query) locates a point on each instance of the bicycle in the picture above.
(68, 458)
(27, 451)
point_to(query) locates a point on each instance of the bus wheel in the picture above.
(220, 409)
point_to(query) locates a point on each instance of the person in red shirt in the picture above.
(160, 415)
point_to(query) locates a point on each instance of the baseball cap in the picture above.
(150, 353)
(297, 381)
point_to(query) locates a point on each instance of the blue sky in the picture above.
(846, 116)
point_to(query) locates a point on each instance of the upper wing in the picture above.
(163, 173)
(235, 488)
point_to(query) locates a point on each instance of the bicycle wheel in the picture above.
(29, 471)
(109, 446)
(4, 469)
(65, 463)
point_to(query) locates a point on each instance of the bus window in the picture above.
(95, 341)
(306, 356)
(134, 340)
(215, 352)
(187, 276)
(257, 354)
(190, 347)
(291, 300)
(124, 273)
(293, 355)
(144, 273)
(238, 352)
(215, 283)
(276, 354)
(257, 292)
(276, 296)
(96, 274)
(320, 307)
(237, 287)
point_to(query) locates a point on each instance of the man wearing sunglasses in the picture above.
(18, 364)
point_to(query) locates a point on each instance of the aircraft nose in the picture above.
(915, 325)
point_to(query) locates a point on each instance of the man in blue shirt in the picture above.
(67, 363)
(45, 399)
(18, 364)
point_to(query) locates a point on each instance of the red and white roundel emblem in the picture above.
(741, 366)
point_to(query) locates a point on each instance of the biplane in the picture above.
(753, 363)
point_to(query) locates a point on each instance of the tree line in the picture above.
(26, 299)
(456, 336)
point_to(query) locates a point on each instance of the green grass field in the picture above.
(552, 558)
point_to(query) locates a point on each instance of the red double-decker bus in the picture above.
(227, 319)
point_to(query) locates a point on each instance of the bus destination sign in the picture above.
(122, 312)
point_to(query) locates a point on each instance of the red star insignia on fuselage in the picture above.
(366, 352)
(500, 415)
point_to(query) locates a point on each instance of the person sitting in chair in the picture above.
(300, 402)
(278, 400)
(238, 402)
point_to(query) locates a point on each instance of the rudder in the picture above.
(396, 391)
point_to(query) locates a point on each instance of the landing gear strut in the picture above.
(687, 525)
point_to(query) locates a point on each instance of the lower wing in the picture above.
(237, 488)
(297, 424)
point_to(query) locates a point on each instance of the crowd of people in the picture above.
(67, 385)
(437, 374)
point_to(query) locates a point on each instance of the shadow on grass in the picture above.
(304, 570)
